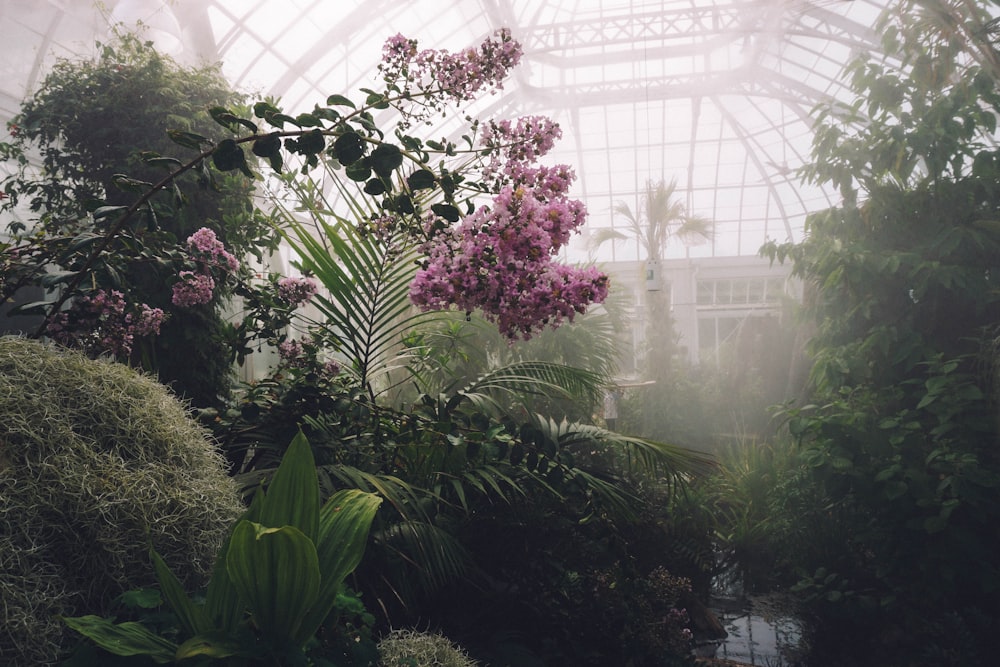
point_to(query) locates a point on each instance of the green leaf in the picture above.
(349, 148)
(374, 187)
(229, 120)
(214, 645)
(229, 156)
(54, 278)
(223, 607)
(276, 572)
(156, 160)
(421, 179)
(310, 143)
(143, 598)
(191, 617)
(447, 211)
(340, 100)
(345, 521)
(269, 147)
(292, 497)
(359, 171)
(385, 159)
(308, 120)
(105, 211)
(126, 639)
(188, 139)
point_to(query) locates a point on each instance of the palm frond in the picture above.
(522, 381)
(407, 499)
(434, 555)
(662, 459)
(366, 303)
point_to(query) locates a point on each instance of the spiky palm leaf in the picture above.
(662, 218)
(366, 305)
(524, 381)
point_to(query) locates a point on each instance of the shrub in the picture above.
(409, 648)
(97, 464)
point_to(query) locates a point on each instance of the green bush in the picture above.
(97, 463)
(409, 648)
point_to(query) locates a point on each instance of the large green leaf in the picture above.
(215, 645)
(126, 639)
(292, 497)
(191, 617)
(276, 572)
(345, 521)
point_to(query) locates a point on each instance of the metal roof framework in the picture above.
(717, 94)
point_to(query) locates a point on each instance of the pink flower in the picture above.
(205, 243)
(101, 323)
(296, 291)
(193, 289)
(501, 260)
(440, 76)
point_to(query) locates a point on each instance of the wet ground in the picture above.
(761, 632)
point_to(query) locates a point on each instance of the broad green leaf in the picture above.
(385, 159)
(214, 645)
(105, 211)
(345, 521)
(57, 277)
(349, 148)
(223, 607)
(421, 179)
(191, 617)
(188, 139)
(276, 572)
(292, 497)
(124, 639)
(340, 100)
(229, 156)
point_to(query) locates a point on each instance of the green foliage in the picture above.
(899, 444)
(566, 591)
(93, 122)
(408, 648)
(275, 583)
(97, 462)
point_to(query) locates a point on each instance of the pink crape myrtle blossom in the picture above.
(193, 289)
(296, 291)
(501, 260)
(100, 323)
(456, 77)
(207, 247)
(523, 141)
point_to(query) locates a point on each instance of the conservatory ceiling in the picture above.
(716, 95)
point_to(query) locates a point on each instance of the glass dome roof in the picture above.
(717, 95)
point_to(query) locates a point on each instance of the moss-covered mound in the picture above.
(97, 462)
(410, 648)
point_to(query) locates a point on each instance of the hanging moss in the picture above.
(409, 648)
(97, 462)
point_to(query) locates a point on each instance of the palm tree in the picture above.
(662, 218)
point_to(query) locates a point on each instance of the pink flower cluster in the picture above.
(295, 354)
(99, 323)
(457, 76)
(523, 141)
(501, 259)
(198, 287)
(205, 243)
(296, 291)
(193, 289)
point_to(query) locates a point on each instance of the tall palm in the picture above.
(663, 218)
